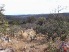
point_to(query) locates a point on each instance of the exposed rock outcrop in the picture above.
(7, 50)
(28, 34)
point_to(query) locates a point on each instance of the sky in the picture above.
(15, 7)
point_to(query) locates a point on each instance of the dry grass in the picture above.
(40, 44)
(23, 45)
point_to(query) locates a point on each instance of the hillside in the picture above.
(34, 33)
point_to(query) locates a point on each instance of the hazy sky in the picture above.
(33, 6)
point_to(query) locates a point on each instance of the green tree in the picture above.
(31, 19)
(41, 20)
(1, 15)
(3, 22)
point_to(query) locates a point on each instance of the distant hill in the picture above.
(11, 17)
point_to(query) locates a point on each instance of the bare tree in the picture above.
(1, 8)
(59, 8)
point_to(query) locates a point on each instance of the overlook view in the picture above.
(34, 25)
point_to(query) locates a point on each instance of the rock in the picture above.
(25, 35)
(6, 39)
(1, 48)
(29, 33)
(7, 50)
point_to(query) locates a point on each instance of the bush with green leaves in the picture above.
(3, 22)
(41, 20)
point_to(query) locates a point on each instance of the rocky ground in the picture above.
(17, 45)
(39, 43)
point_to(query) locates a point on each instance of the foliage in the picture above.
(1, 15)
(3, 22)
(41, 20)
(55, 23)
(30, 19)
